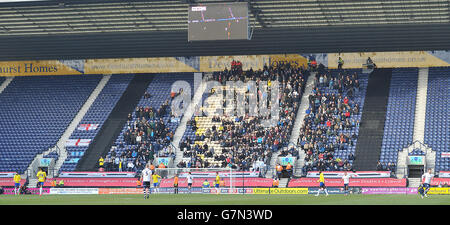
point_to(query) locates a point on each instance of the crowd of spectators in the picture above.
(388, 167)
(328, 125)
(146, 135)
(246, 144)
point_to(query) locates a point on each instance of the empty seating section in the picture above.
(330, 128)
(237, 139)
(35, 111)
(437, 122)
(155, 132)
(96, 115)
(399, 124)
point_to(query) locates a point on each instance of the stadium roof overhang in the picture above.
(86, 16)
(71, 29)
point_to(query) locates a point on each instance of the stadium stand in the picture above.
(94, 118)
(330, 129)
(35, 112)
(437, 123)
(100, 73)
(416, 152)
(150, 128)
(241, 141)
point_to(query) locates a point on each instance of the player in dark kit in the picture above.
(421, 191)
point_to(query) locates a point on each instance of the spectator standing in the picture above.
(120, 165)
(116, 163)
(275, 183)
(340, 63)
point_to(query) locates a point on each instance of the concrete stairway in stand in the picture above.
(283, 182)
(414, 182)
(5, 83)
(299, 120)
(196, 100)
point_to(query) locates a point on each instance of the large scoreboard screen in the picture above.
(218, 21)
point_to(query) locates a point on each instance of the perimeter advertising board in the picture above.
(74, 191)
(358, 182)
(391, 59)
(439, 191)
(390, 191)
(334, 191)
(33, 191)
(9, 182)
(34, 68)
(145, 65)
(279, 191)
(218, 63)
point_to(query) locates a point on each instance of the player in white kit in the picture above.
(426, 179)
(146, 177)
(346, 179)
(189, 180)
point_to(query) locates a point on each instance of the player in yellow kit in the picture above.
(321, 184)
(217, 183)
(17, 179)
(155, 181)
(42, 176)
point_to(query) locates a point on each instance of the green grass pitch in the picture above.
(212, 199)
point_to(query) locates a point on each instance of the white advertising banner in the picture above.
(74, 191)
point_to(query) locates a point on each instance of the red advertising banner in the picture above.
(237, 182)
(94, 182)
(443, 181)
(366, 182)
(9, 182)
